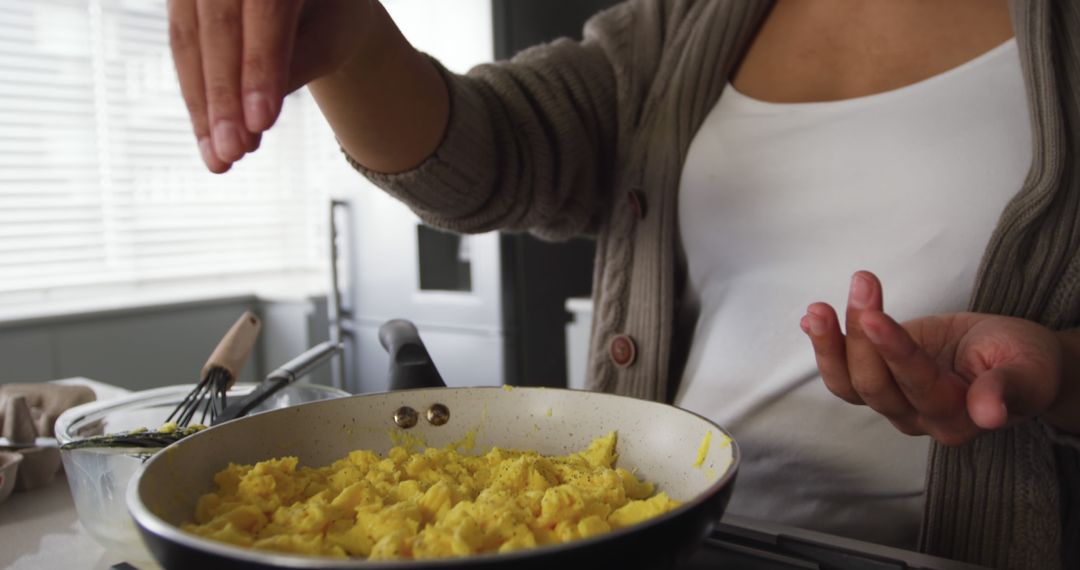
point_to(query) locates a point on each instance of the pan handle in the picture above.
(410, 364)
(306, 362)
(282, 376)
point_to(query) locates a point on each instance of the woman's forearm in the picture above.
(389, 105)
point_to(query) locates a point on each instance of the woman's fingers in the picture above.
(870, 376)
(986, 399)
(1011, 391)
(237, 59)
(949, 376)
(209, 39)
(187, 55)
(823, 328)
(268, 33)
(220, 35)
(936, 395)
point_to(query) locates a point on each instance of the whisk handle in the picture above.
(232, 352)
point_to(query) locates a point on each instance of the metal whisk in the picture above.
(220, 372)
(208, 395)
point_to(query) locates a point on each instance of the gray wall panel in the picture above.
(25, 356)
(147, 350)
(148, 347)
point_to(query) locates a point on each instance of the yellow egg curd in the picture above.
(425, 504)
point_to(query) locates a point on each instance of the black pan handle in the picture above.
(410, 364)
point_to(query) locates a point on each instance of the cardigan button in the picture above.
(636, 198)
(622, 351)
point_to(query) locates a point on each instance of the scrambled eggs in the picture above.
(428, 504)
(171, 427)
(703, 450)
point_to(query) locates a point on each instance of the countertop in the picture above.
(40, 530)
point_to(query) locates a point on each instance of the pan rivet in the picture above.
(406, 417)
(438, 414)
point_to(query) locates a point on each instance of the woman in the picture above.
(692, 185)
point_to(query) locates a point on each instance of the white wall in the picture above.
(291, 326)
(457, 32)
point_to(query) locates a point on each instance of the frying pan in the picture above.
(660, 441)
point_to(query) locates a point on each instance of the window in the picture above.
(101, 186)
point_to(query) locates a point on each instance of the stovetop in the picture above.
(744, 544)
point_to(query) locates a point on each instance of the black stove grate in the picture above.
(750, 545)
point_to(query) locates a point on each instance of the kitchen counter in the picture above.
(39, 530)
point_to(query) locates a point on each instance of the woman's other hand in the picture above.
(949, 376)
(237, 59)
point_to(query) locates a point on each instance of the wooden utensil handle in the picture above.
(232, 352)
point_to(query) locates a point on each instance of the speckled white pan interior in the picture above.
(661, 442)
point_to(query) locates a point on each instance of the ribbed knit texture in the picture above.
(1011, 516)
(553, 141)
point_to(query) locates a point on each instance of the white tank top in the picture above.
(778, 205)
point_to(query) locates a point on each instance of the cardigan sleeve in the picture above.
(530, 143)
(1061, 438)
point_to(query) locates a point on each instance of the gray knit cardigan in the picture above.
(589, 137)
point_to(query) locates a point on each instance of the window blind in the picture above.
(100, 179)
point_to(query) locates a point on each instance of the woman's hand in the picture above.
(948, 376)
(237, 59)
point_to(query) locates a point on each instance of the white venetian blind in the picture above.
(100, 180)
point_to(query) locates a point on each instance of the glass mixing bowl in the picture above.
(99, 477)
